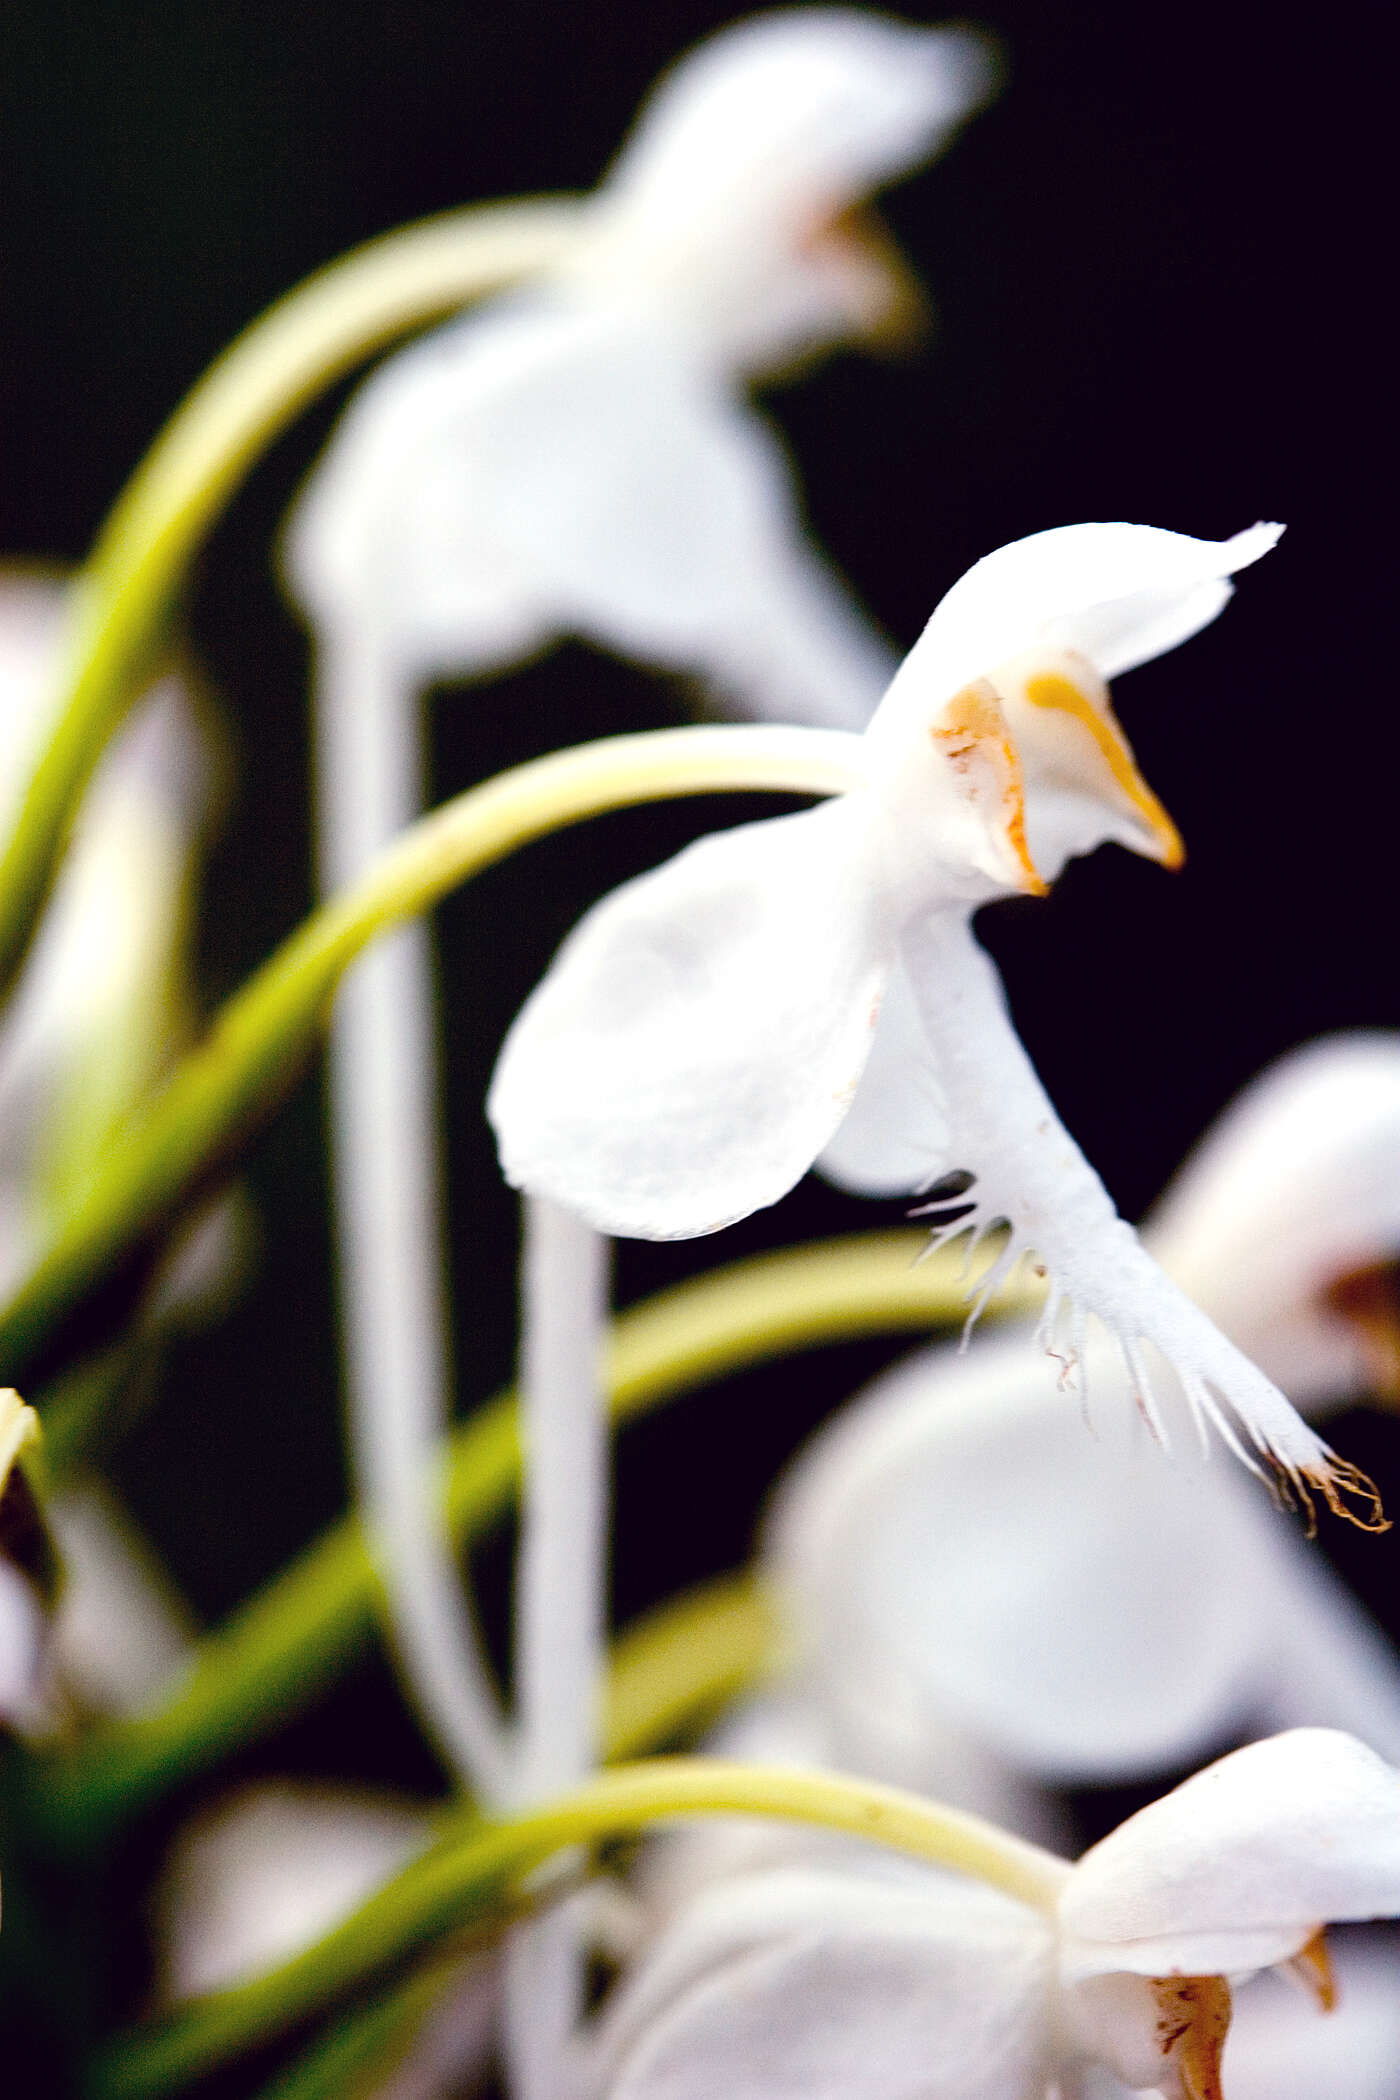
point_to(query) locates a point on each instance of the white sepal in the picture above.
(1116, 594)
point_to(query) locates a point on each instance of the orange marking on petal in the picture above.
(1193, 2019)
(1311, 1968)
(1053, 689)
(898, 319)
(973, 734)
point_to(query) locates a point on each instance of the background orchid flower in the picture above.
(981, 1596)
(270, 1869)
(25, 1591)
(103, 1007)
(894, 1983)
(699, 1039)
(577, 459)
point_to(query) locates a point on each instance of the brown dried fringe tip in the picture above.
(1348, 1492)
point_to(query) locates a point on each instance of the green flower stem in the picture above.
(282, 1648)
(309, 339)
(473, 1880)
(245, 1065)
(358, 2052)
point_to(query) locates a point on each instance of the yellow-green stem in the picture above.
(246, 1063)
(283, 1647)
(299, 347)
(472, 1881)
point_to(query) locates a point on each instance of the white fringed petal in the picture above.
(1238, 1868)
(801, 1985)
(1116, 594)
(700, 1034)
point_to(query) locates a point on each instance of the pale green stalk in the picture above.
(284, 360)
(248, 1059)
(289, 1642)
(471, 1882)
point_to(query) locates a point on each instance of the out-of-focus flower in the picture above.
(271, 1869)
(700, 1037)
(912, 1986)
(122, 1633)
(577, 459)
(981, 1595)
(26, 1570)
(102, 1008)
(102, 1005)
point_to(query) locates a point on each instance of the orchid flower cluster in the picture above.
(1070, 1553)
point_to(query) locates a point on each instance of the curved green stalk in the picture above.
(292, 353)
(247, 1061)
(473, 1881)
(281, 1649)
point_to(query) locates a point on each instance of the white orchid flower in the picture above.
(578, 459)
(702, 1035)
(912, 1986)
(981, 1596)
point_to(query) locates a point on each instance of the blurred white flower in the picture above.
(905, 1985)
(578, 459)
(102, 1004)
(698, 1040)
(24, 1583)
(272, 1868)
(101, 1009)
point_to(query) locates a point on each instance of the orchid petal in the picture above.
(700, 1034)
(946, 1545)
(835, 1987)
(1116, 594)
(896, 1138)
(545, 471)
(1238, 1867)
(271, 1869)
(1030, 1174)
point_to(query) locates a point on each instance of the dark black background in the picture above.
(1161, 269)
